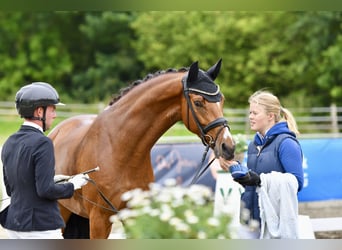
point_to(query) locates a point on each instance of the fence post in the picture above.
(334, 119)
(101, 106)
(247, 125)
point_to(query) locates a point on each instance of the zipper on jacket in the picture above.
(259, 148)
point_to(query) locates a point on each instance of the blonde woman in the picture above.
(274, 149)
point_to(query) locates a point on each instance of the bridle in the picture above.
(207, 140)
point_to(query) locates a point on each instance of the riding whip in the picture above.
(85, 172)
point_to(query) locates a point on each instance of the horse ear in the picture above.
(193, 72)
(214, 70)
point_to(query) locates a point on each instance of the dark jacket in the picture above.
(29, 168)
(278, 151)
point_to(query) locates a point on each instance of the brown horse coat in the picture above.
(120, 138)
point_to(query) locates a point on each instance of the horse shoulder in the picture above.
(66, 137)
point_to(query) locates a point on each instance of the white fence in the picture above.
(312, 122)
(8, 109)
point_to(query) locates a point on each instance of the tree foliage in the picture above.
(88, 56)
(280, 51)
(29, 53)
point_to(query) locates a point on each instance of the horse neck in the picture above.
(148, 110)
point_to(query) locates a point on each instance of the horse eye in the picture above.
(198, 103)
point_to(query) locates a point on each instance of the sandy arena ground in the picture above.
(323, 209)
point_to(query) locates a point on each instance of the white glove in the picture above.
(60, 178)
(79, 180)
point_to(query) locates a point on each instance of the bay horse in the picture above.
(119, 139)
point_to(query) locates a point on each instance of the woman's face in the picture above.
(259, 120)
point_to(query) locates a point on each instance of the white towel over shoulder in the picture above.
(278, 205)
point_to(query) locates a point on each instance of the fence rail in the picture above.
(312, 122)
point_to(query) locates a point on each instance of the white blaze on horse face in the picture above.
(227, 134)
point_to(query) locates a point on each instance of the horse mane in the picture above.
(149, 76)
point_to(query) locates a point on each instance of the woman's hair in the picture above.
(272, 105)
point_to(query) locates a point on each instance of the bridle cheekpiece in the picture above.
(216, 96)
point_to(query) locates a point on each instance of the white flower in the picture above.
(192, 219)
(253, 224)
(126, 213)
(245, 214)
(131, 194)
(182, 227)
(166, 213)
(139, 201)
(172, 211)
(114, 218)
(155, 212)
(170, 182)
(174, 221)
(201, 235)
(127, 196)
(213, 221)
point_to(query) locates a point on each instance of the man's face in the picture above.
(49, 116)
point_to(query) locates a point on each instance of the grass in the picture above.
(11, 124)
(8, 125)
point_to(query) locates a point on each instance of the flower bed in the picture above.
(172, 212)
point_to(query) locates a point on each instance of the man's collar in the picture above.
(32, 124)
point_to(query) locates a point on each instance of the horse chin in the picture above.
(228, 157)
(225, 154)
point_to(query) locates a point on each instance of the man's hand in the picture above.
(79, 180)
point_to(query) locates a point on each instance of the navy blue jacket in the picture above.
(278, 151)
(29, 167)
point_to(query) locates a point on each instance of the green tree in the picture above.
(111, 62)
(28, 53)
(87, 56)
(290, 53)
(321, 57)
(251, 50)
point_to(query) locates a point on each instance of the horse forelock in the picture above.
(148, 77)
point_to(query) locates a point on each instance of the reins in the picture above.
(201, 170)
(104, 198)
(203, 130)
(199, 173)
(111, 208)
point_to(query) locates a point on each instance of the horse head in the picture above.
(202, 110)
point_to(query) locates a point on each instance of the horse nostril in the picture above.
(227, 152)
